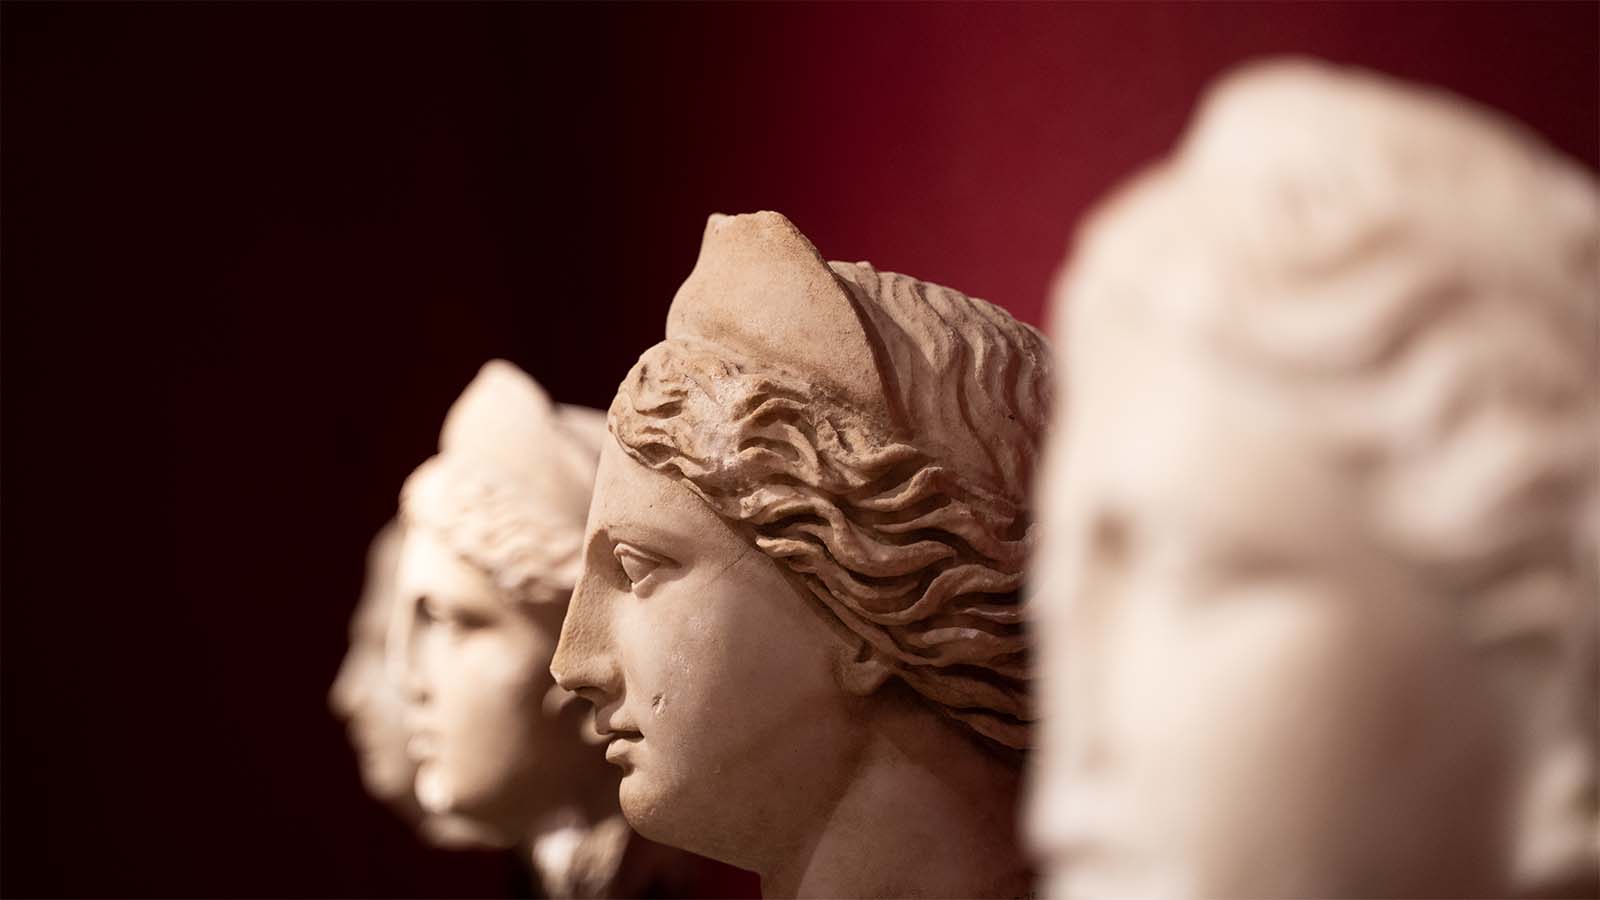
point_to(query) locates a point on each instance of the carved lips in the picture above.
(617, 750)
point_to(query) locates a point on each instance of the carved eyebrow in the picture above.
(644, 537)
(454, 601)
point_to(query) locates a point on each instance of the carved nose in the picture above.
(583, 662)
(344, 694)
(583, 669)
(400, 669)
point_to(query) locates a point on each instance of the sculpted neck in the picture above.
(930, 814)
(576, 844)
(573, 857)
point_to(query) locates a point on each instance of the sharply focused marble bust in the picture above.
(798, 616)
(493, 525)
(1318, 574)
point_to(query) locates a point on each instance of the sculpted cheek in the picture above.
(504, 662)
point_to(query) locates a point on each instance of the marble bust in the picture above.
(371, 706)
(1317, 580)
(798, 616)
(492, 529)
(363, 698)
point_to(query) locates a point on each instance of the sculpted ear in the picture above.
(859, 667)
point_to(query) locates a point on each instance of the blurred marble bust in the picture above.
(492, 529)
(798, 616)
(371, 706)
(1317, 585)
(362, 697)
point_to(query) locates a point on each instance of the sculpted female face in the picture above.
(1247, 696)
(370, 706)
(711, 675)
(475, 674)
(1317, 584)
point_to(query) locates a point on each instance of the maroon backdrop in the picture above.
(252, 252)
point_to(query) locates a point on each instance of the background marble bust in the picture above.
(492, 528)
(798, 617)
(371, 705)
(363, 698)
(1318, 581)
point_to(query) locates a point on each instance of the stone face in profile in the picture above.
(373, 708)
(493, 525)
(361, 697)
(1317, 584)
(798, 616)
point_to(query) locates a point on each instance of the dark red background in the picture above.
(252, 252)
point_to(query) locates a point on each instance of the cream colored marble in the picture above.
(1318, 582)
(798, 616)
(362, 698)
(373, 709)
(492, 531)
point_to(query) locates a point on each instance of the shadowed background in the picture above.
(251, 253)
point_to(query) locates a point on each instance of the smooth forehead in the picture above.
(1170, 430)
(635, 503)
(429, 565)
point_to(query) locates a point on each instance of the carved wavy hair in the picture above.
(1427, 291)
(921, 560)
(1425, 297)
(494, 525)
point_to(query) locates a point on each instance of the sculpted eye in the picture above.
(427, 610)
(636, 564)
(466, 620)
(434, 612)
